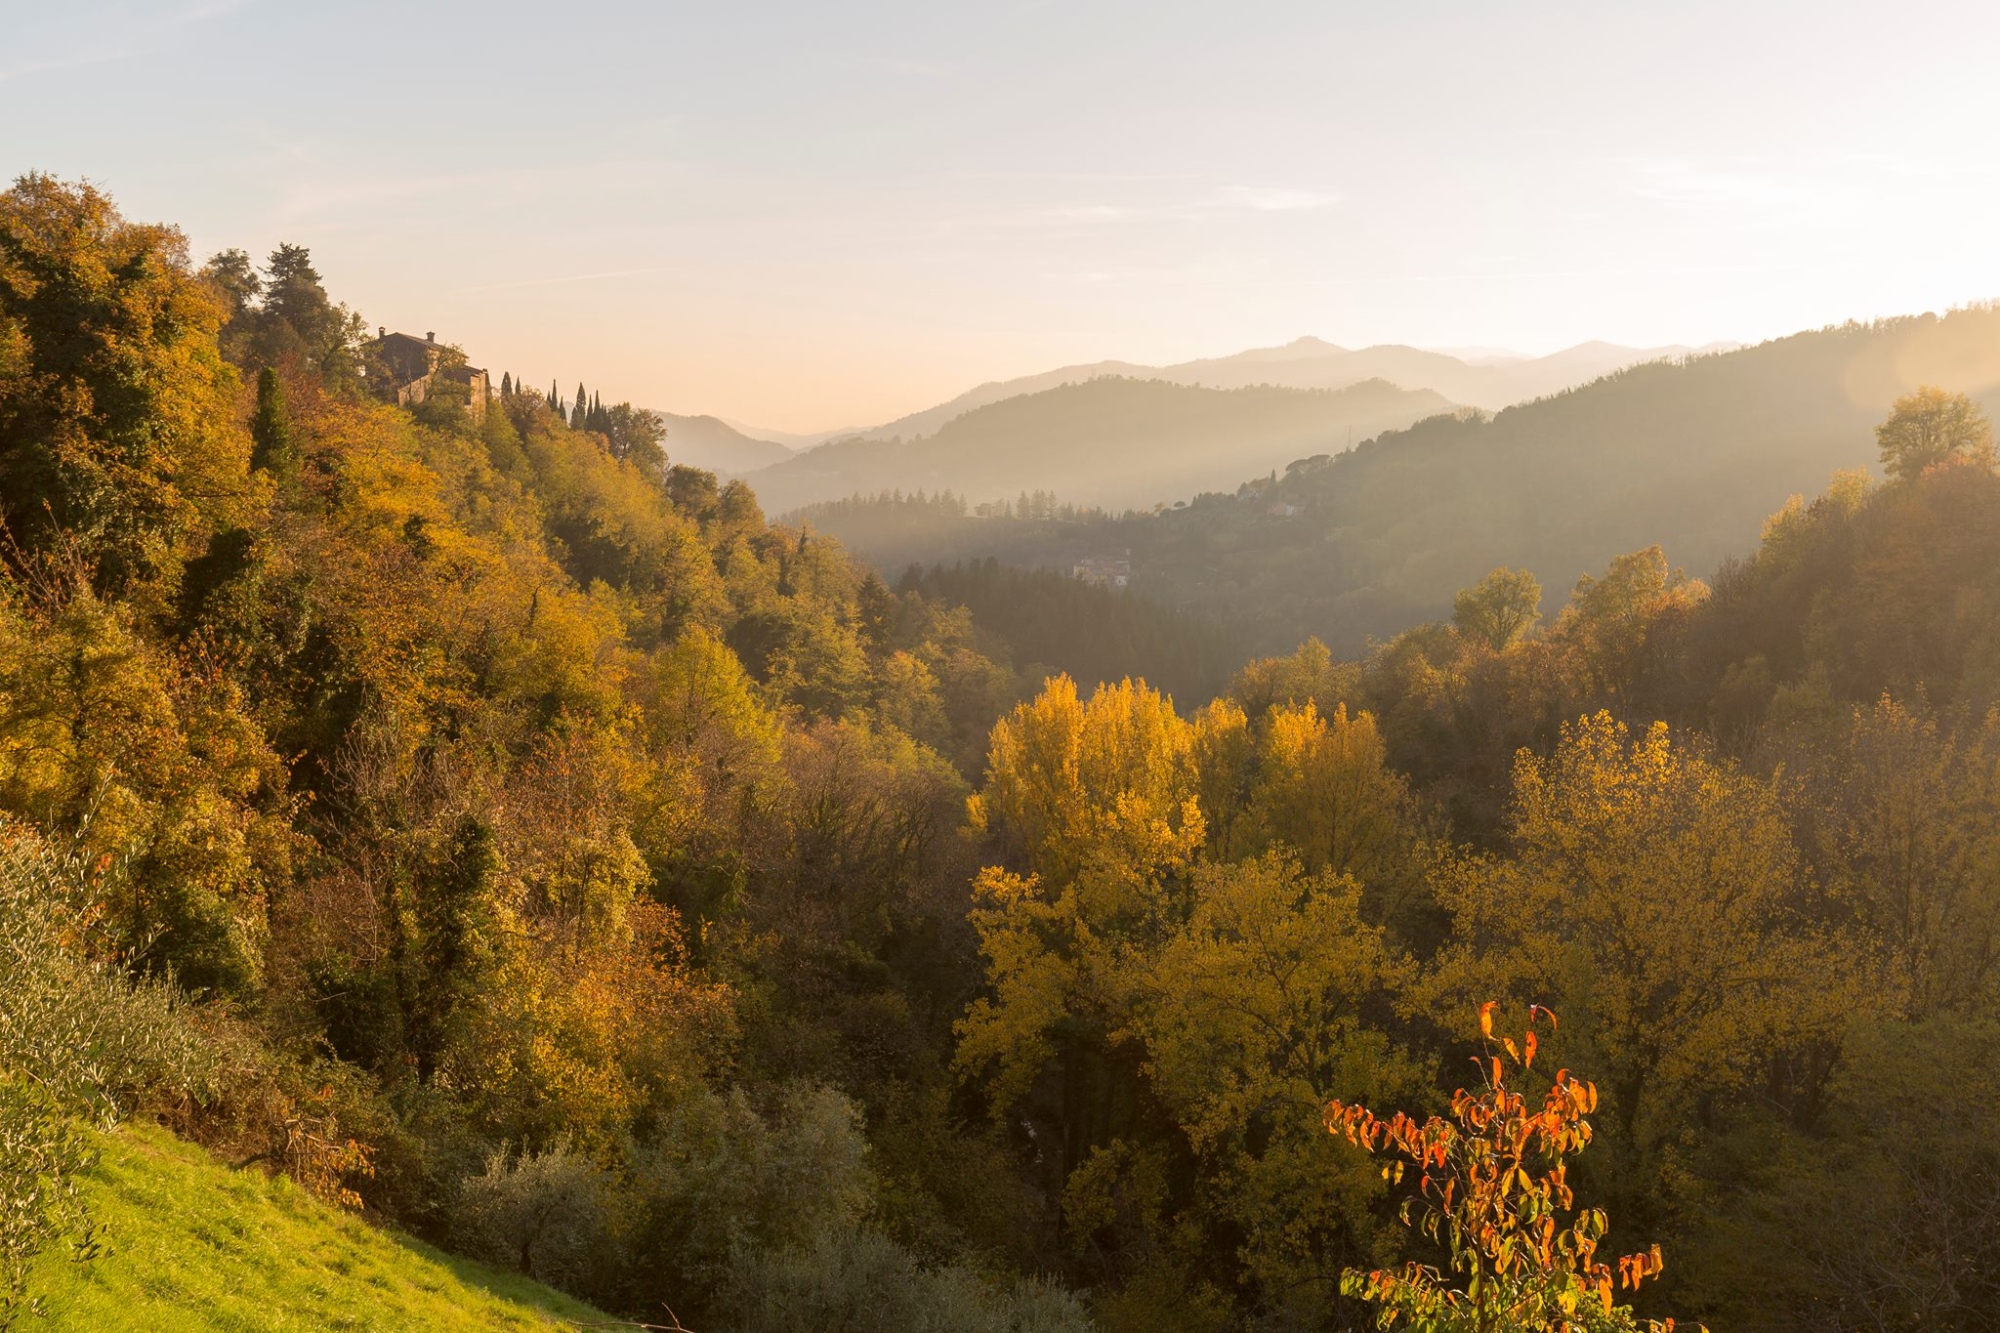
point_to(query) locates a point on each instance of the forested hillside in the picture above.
(547, 840)
(1738, 837)
(1351, 545)
(1110, 441)
(1060, 624)
(508, 836)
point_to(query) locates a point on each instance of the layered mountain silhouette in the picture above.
(713, 444)
(1490, 380)
(1111, 441)
(1484, 378)
(1691, 454)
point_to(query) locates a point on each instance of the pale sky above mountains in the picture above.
(810, 216)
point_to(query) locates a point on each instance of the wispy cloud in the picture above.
(321, 196)
(1273, 198)
(137, 36)
(1535, 275)
(73, 60)
(567, 278)
(1734, 187)
(1911, 165)
(204, 10)
(1219, 200)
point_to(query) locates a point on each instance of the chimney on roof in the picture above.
(430, 337)
(381, 330)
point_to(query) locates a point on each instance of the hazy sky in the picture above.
(810, 216)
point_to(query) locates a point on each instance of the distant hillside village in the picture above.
(1105, 571)
(410, 371)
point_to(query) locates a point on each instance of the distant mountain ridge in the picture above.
(1488, 380)
(1693, 455)
(716, 446)
(1111, 441)
(793, 440)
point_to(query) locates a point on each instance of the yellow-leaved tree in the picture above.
(1906, 830)
(1168, 1020)
(1097, 801)
(1933, 426)
(1655, 892)
(1254, 1014)
(116, 425)
(1324, 788)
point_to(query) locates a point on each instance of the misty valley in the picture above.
(1307, 839)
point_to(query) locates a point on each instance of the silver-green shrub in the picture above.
(80, 1041)
(720, 1179)
(547, 1214)
(862, 1282)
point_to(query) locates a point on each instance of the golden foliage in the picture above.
(1324, 788)
(1657, 893)
(152, 767)
(578, 1043)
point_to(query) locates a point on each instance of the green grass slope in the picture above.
(193, 1245)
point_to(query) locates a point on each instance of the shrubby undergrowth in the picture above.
(82, 1041)
(508, 833)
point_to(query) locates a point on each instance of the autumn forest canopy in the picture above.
(515, 837)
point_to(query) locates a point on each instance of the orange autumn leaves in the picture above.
(1494, 1192)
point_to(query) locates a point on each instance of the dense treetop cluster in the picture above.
(509, 832)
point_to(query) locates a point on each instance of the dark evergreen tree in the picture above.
(294, 292)
(232, 274)
(578, 409)
(877, 607)
(271, 428)
(452, 893)
(299, 319)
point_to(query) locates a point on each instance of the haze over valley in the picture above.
(1691, 454)
(728, 667)
(1118, 457)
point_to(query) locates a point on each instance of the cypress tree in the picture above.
(506, 384)
(452, 896)
(578, 408)
(271, 428)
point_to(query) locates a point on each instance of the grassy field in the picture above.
(193, 1245)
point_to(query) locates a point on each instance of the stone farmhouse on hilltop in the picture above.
(405, 367)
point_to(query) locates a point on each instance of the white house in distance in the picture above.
(1105, 571)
